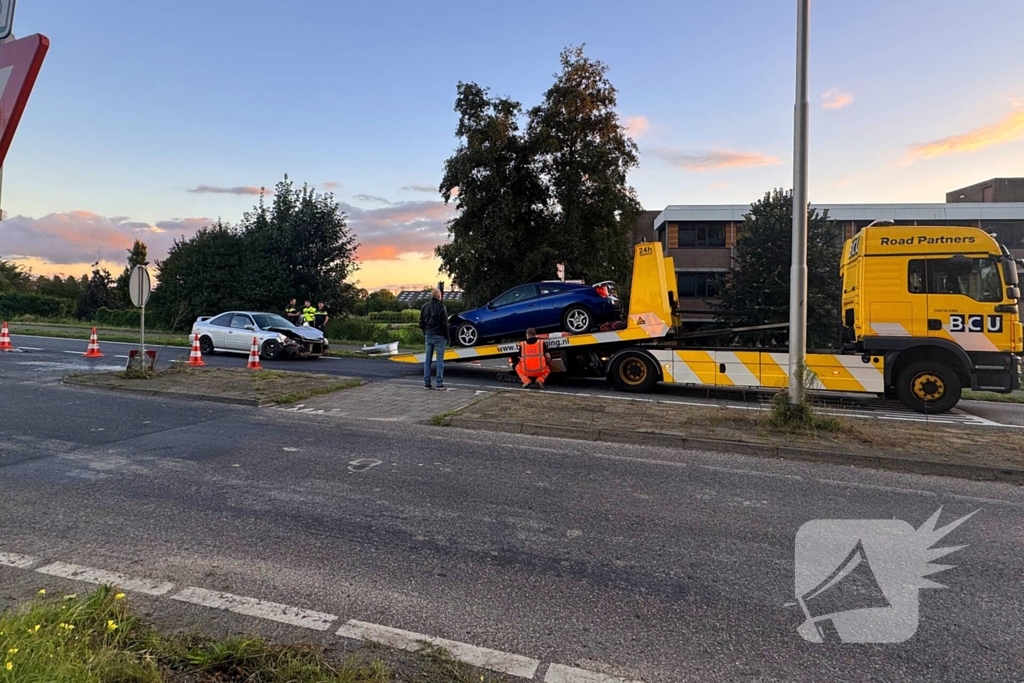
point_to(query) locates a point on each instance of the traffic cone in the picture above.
(254, 356)
(195, 359)
(94, 346)
(5, 339)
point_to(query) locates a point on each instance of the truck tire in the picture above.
(927, 386)
(633, 371)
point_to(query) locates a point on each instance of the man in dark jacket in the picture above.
(434, 323)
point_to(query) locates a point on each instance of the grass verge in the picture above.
(301, 395)
(1015, 397)
(96, 638)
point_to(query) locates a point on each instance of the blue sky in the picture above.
(139, 104)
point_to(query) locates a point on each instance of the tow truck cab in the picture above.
(940, 304)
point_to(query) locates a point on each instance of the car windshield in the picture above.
(268, 320)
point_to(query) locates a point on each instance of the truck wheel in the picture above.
(927, 386)
(206, 346)
(633, 371)
(577, 320)
(467, 334)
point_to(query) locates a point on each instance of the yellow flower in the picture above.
(72, 596)
(42, 591)
(119, 596)
(66, 627)
(111, 624)
(9, 666)
(34, 630)
(13, 651)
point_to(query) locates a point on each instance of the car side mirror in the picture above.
(250, 328)
(491, 306)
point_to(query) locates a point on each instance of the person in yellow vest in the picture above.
(308, 314)
(533, 361)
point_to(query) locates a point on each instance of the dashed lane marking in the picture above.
(559, 673)
(253, 607)
(16, 560)
(101, 576)
(484, 658)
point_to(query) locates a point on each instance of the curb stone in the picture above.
(678, 440)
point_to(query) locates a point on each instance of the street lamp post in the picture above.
(798, 270)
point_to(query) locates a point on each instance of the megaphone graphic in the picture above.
(851, 586)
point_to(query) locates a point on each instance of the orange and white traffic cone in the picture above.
(5, 339)
(94, 346)
(195, 359)
(254, 356)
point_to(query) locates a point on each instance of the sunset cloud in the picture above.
(370, 198)
(330, 185)
(211, 189)
(82, 237)
(1009, 129)
(636, 126)
(388, 232)
(714, 160)
(835, 99)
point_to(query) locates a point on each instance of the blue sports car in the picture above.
(565, 306)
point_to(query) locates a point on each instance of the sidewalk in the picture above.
(953, 450)
(390, 401)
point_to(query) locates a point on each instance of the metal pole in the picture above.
(798, 270)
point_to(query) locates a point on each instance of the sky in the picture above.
(153, 119)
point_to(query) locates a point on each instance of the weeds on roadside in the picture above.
(790, 418)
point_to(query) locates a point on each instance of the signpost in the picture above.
(140, 287)
(561, 271)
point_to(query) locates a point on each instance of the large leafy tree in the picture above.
(200, 276)
(99, 293)
(757, 291)
(495, 185)
(555, 191)
(137, 256)
(300, 246)
(62, 288)
(584, 156)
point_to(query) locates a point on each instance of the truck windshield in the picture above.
(978, 279)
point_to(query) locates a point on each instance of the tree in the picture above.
(757, 291)
(200, 276)
(98, 294)
(136, 257)
(62, 288)
(584, 156)
(299, 247)
(555, 192)
(13, 278)
(494, 182)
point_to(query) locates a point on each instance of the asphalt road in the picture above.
(53, 357)
(648, 563)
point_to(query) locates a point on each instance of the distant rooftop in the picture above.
(410, 296)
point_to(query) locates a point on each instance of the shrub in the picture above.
(14, 304)
(372, 333)
(129, 317)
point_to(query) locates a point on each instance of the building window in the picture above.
(700, 285)
(702, 235)
(1008, 233)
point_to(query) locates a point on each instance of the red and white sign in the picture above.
(20, 61)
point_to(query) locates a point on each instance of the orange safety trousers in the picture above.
(532, 363)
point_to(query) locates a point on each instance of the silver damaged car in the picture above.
(233, 332)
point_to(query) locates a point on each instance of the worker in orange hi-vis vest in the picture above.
(533, 361)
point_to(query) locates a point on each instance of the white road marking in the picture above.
(254, 607)
(559, 673)
(484, 658)
(16, 560)
(878, 487)
(85, 338)
(30, 348)
(756, 473)
(101, 576)
(77, 353)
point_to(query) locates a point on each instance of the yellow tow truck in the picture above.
(926, 312)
